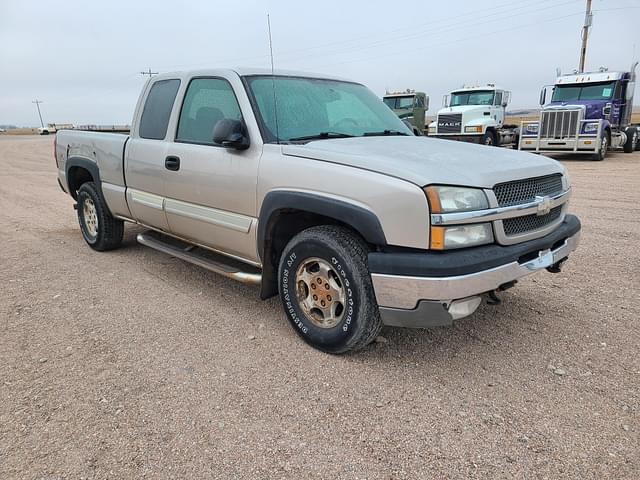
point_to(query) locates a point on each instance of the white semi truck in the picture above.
(475, 114)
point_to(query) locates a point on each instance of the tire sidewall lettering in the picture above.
(289, 266)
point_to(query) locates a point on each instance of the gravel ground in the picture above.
(133, 364)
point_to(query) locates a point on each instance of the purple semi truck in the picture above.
(589, 113)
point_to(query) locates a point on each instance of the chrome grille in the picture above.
(559, 124)
(450, 123)
(525, 191)
(529, 223)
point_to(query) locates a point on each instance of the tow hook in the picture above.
(493, 294)
(493, 298)
(557, 267)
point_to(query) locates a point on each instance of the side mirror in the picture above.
(543, 96)
(230, 134)
(445, 101)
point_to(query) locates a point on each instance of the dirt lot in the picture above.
(133, 364)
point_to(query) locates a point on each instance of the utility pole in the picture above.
(38, 102)
(149, 72)
(588, 19)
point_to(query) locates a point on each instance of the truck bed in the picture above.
(103, 150)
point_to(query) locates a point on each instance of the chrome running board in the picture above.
(203, 258)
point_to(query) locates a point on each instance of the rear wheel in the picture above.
(99, 228)
(632, 140)
(326, 290)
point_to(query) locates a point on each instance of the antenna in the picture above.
(273, 81)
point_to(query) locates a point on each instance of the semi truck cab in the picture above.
(410, 106)
(475, 114)
(588, 113)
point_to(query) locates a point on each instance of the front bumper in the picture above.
(469, 138)
(435, 288)
(588, 144)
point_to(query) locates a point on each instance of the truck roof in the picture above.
(471, 88)
(589, 77)
(402, 93)
(244, 71)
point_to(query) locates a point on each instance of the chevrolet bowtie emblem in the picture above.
(544, 205)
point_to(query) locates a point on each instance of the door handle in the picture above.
(172, 163)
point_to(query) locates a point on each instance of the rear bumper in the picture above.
(435, 288)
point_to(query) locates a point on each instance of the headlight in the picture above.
(432, 130)
(461, 236)
(590, 127)
(445, 199)
(477, 129)
(532, 128)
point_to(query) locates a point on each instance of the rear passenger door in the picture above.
(211, 198)
(146, 154)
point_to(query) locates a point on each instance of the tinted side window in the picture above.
(157, 109)
(498, 98)
(207, 101)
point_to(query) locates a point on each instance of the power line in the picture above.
(149, 72)
(439, 24)
(38, 102)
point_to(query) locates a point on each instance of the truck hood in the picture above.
(592, 108)
(424, 161)
(464, 109)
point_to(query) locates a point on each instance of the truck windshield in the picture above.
(592, 91)
(310, 108)
(478, 97)
(399, 102)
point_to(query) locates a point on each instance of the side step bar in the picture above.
(201, 257)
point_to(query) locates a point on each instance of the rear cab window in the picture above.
(157, 109)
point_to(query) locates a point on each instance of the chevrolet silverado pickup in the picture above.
(310, 187)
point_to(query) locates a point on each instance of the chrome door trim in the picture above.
(147, 199)
(230, 220)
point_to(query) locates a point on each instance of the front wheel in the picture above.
(326, 290)
(604, 146)
(99, 228)
(488, 139)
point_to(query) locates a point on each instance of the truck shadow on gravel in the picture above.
(484, 333)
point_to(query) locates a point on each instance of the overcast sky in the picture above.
(83, 58)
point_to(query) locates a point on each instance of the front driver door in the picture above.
(211, 196)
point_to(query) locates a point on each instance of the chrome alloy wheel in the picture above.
(320, 292)
(90, 216)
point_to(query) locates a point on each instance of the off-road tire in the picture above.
(346, 253)
(632, 140)
(109, 230)
(488, 139)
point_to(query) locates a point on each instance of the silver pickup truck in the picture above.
(311, 188)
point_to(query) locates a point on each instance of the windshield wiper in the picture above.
(321, 136)
(384, 132)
